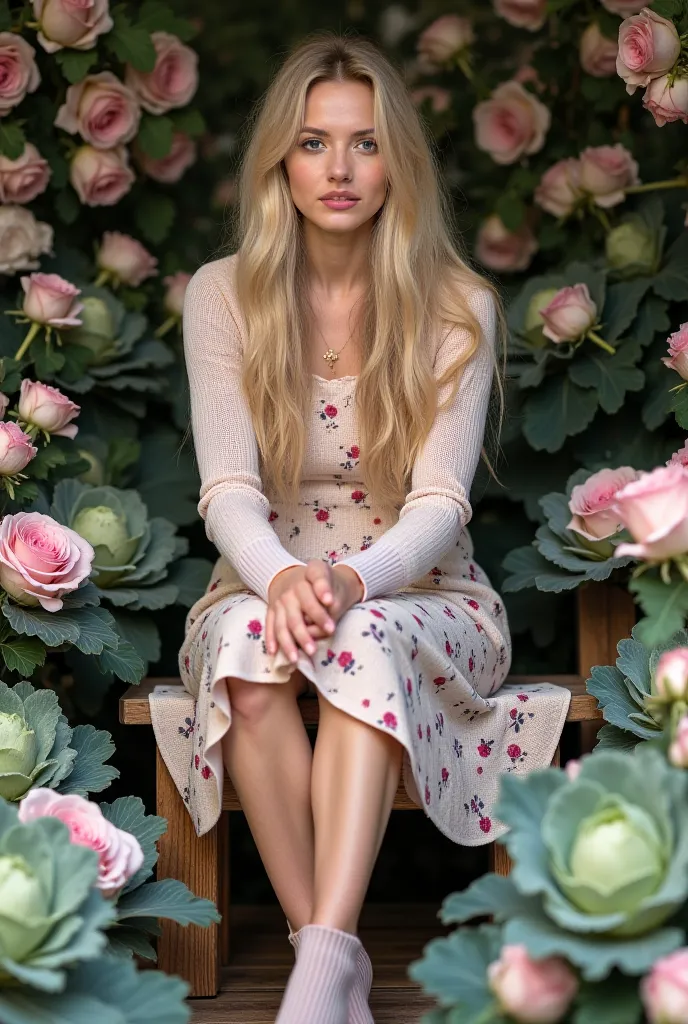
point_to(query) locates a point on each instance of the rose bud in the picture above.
(66, 23)
(16, 449)
(100, 177)
(532, 991)
(678, 352)
(45, 407)
(124, 260)
(594, 515)
(664, 991)
(654, 510)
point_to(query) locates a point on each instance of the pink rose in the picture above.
(572, 768)
(101, 109)
(592, 503)
(49, 299)
(532, 991)
(598, 52)
(101, 176)
(170, 168)
(173, 80)
(119, 853)
(624, 8)
(176, 290)
(606, 171)
(530, 14)
(527, 73)
(16, 448)
(678, 352)
(678, 749)
(444, 38)
(680, 457)
(440, 99)
(41, 560)
(671, 675)
(569, 315)
(23, 179)
(23, 239)
(511, 123)
(664, 991)
(18, 71)
(559, 188)
(667, 102)
(654, 509)
(125, 258)
(73, 23)
(43, 406)
(648, 48)
(500, 249)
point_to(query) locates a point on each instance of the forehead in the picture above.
(335, 105)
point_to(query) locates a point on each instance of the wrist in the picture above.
(353, 581)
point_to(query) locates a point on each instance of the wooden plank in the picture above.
(134, 708)
(606, 614)
(252, 985)
(190, 951)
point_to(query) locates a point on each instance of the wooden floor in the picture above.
(262, 958)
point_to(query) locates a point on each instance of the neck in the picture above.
(337, 263)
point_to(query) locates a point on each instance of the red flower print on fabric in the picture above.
(330, 410)
(420, 731)
(485, 748)
(377, 521)
(322, 515)
(516, 754)
(254, 628)
(476, 806)
(522, 697)
(273, 515)
(378, 614)
(197, 762)
(518, 719)
(345, 659)
(365, 702)
(206, 772)
(389, 719)
(358, 496)
(440, 683)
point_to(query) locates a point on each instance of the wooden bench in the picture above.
(605, 614)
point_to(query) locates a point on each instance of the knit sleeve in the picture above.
(232, 502)
(437, 507)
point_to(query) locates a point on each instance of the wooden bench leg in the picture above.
(499, 860)
(191, 951)
(223, 859)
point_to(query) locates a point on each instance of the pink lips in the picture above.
(339, 204)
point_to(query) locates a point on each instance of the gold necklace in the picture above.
(331, 356)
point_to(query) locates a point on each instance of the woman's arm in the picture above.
(437, 507)
(232, 502)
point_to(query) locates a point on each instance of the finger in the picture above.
(270, 630)
(318, 574)
(284, 637)
(295, 620)
(312, 608)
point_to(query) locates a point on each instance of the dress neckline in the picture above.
(334, 380)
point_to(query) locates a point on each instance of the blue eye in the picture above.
(304, 145)
(373, 142)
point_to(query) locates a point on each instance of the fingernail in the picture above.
(327, 596)
(310, 648)
(293, 656)
(329, 624)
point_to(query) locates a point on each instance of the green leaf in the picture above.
(131, 44)
(47, 360)
(190, 121)
(76, 64)
(668, 8)
(621, 306)
(155, 136)
(53, 628)
(611, 376)
(5, 16)
(21, 654)
(155, 15)
(170, 899)
(529, 568)
(128, 813)
(557, 410)
(12, 140)
(90, 774)
(454, 969)
(67, 205)
(679, 406)
(490, 895)
(511, 210)
(672, 281)
(610, 737)
(614, 1001)
(666, 608)
(154, 217)
(607, 685)
(47, 458)
(124, 662)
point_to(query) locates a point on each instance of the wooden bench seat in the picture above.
(203, 863)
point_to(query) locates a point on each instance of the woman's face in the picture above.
(340, 156)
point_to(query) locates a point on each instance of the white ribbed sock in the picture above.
(359, 1010)
(321, 980)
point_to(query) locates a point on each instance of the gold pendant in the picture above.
(331, 357)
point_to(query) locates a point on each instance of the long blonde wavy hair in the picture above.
(414, 268)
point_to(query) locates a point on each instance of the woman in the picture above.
(340, 366)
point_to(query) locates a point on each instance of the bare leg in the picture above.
(268, 757)
(355, 775)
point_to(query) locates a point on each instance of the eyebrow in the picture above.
(321, 131)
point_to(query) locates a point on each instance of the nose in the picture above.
(340, 167)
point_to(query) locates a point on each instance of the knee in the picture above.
(249, 701)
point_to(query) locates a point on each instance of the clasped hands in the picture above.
(305, 603)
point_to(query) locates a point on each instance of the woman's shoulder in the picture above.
(219, 272)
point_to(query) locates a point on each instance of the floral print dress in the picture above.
(425, 664)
